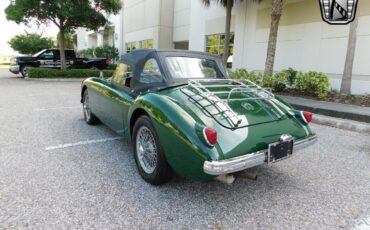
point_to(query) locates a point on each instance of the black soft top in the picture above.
(138, 55)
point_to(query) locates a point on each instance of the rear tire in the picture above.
(90, 118)
(149, 156)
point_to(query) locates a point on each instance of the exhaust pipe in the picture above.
(247, 175)
(228, 178)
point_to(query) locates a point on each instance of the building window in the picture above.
(146, 44)
(130, 46)
(215, 44)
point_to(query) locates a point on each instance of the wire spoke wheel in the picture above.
(146, 149)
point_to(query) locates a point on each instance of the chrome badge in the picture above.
(338, 12)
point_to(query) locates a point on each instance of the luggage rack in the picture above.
(200, 90)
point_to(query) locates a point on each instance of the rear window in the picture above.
(189, 67)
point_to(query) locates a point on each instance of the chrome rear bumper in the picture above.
(249, 160)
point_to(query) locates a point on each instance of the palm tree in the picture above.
(228, 4)
(348, 66)
(276, 12)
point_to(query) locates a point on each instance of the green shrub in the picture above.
(291, 75)
(245, 75)
(280, 81)
(87, 53)
(104, 51)
(268, 82)
(313, 83)
(112, 66)
(276, 83)
(68, 73)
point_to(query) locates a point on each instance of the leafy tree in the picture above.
(276, 12)
(70, 41)
(65, 14)
(30, 43)
(228, 4)
(350, 57)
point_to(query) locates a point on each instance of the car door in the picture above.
(57, 63)
(116, 99)
(46, 59)
(70, 58)
(69, 55)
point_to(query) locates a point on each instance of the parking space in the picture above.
(58, 172)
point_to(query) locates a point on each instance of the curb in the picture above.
(342, 123)
(55, 79)
(333, 113)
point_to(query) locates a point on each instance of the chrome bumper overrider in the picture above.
(249, 160)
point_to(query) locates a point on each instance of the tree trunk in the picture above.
(348, 67)
(62, 48)
(277, 9)
(229, 7)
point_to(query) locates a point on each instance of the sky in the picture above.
(9, 29)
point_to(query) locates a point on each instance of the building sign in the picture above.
(338, 12)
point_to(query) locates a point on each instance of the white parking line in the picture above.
(363, 224)
(56, 108)
(67, 145)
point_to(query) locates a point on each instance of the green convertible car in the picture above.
(184, 115)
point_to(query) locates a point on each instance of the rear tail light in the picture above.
(306, 116)
(107, 61)
(210, 135)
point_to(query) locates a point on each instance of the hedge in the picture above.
(311, 83)
(68, 73)
(277, 82)
(112, 66)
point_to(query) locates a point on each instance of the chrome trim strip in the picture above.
(249, 160)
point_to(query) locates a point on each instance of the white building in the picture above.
(112, 36)
(305, 42)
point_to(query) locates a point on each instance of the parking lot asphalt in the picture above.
(56, 172)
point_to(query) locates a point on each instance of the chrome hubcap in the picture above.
(146, 150)
(86, 108)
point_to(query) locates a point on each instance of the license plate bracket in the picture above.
(280, 150)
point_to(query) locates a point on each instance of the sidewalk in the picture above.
(344, 111)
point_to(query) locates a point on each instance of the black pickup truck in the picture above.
(50, 58)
